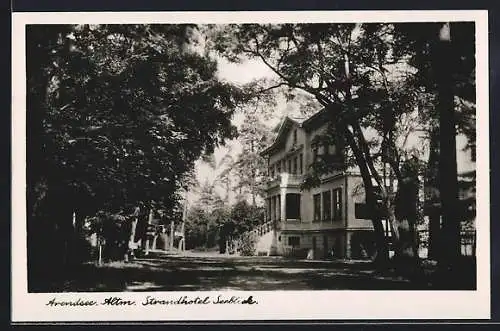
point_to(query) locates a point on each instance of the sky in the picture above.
(239, 74)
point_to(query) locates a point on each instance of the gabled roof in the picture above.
(319, 118)
(301, 122)
(283, 128)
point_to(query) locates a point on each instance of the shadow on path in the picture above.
(177, 273)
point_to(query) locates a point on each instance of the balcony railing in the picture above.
(274, 181)
(292, 179)
(285, 179)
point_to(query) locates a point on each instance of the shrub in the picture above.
(248, 243)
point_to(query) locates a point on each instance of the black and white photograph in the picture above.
(225, 160)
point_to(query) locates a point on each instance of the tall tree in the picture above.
(344, 66)
(444, 53)
(250, 166)
(442, 57)
(362, 77)
(114, 115)
(206, 217)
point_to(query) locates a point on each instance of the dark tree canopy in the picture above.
(370, 78)
(116, 117)
(118, 113)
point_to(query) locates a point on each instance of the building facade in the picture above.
(326, 220)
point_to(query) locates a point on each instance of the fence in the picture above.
(467, 242)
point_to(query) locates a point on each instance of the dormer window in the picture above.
(321, 150)
(332, 150)
(315, 154)
(329, 149)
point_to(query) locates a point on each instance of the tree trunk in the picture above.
(381, 257)
(206, 239)
(434, 230)
(406, 259)
(442, 63)
(133, 229)
(432, 198)
(147, 241)
(363, 160)
(80, 251)
(391, 217)
(172, 235)
(227, 189)
(132, 234)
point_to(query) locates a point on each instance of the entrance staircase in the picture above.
(264, 233)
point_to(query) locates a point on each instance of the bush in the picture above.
(248, 243)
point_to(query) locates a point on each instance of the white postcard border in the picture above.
(272, 305)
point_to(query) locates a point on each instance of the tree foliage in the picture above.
(122, 109)
(213, 224)
(118, 114)
(369, 78)
(250, 167)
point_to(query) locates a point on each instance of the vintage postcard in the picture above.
(222, 166)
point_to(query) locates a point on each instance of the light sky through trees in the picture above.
(253, 69)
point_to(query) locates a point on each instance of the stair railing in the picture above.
(259, 231)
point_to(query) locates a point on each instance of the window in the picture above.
(271, 171)
(289, 166)
(295, 137)
(294, 241)
(321, 149)
(295, 165)
(293, 206)
(269, 209)
(326, 149)
(273, 208)
(332, 150)
(317, 207)
(327, 205)
(301, 164)
(278, 207)
(278, 167)
(337, 204)
(361, 211)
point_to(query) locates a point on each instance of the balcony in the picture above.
(285, 180)
(273, 182)
(291, 179)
